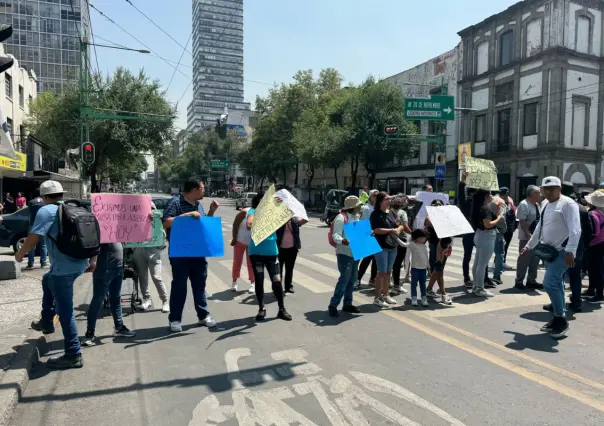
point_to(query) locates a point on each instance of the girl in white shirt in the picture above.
(240, 241)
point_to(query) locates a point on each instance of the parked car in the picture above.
(14, 228)
(245, 200)
(161, 202)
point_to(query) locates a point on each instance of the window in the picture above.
(583, 34)
(530, 119)
(503, 130)
(480, 128)
(580, 123)
(504, 93)
(9, 125)
(533, 38)
(8, 86)
(506, 48)
(482, 58)
(21, 97)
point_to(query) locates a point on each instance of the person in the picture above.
(419, 265)
(528, 216)
(33, 206)
(185, 268)
(499, 208)
(21, 201)
(556, 240)
(240, 243)
(484, 222)
(347, 266)
(365, 214)
(386, 233)
(401, 219)
(428, 188)
(289, 243)
(9, 204)
(264, 255)
(465, 205)
(108, 276)
(57, 283)
(510, 221)
(595, 252)
(148, 260)
(440, 249)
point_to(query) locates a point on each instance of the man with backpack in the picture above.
(73, 244)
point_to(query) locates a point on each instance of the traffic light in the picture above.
(391, 130)
(88, 153)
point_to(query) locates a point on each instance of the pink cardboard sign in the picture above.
(123, 218)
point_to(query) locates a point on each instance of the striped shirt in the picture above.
(179, 206)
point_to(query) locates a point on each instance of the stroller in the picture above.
(130, 297)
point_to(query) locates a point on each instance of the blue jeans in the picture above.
(61, 287)
(499, 255)
(110, 279)
(348, 268)
(385, 259)
(48, 301)
(183, 269)
(485, 245)
(43, 253)
(553, 283)
(418, 276)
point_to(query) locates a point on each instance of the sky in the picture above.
(357, 37)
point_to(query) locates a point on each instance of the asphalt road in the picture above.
(478, 362)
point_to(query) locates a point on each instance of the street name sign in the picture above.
(438, 107)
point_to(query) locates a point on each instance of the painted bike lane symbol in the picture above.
(341, 399)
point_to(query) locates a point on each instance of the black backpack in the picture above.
(79, 233)
(510, 219)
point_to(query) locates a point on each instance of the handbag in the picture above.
(535, 222)
(545, 251)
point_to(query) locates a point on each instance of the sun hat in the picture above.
(351, 202)
(596, 199)
(51, 187)
(373, 192)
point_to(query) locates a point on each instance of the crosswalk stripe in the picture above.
(214, 284)
(330, 272)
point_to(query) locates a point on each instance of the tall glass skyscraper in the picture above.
(217, 61)
(46, 37)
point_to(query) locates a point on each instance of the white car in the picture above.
(245, 200)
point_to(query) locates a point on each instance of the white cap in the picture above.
(51, 187)
(551, 181)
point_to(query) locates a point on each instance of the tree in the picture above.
(54, 119)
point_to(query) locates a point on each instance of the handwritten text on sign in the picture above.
(448, 221)
(481, 174)
(269, 216)
(157, 234)
(123, 218)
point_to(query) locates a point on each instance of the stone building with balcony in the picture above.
(532, 77)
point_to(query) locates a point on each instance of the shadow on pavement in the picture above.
(235, 327)
(528, 292)
(144, 336)
(542, 342)
(322, 318)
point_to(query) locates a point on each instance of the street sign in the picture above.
(440, 169)
(438, 107)
(219, 164)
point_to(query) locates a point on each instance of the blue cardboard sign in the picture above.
(190, 237)
(362, 243)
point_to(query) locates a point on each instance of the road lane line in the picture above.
(311, 284)
(330, 272)
(214, 284)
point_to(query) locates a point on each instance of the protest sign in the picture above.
(123, 218)
(157, 233)
(448, 221)
(269, 216)
(426, 198)
(481, 174)
(190, 237)
(362, 242)
(292, 202)
(464, 150)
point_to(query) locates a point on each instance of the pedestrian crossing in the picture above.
(318, 273)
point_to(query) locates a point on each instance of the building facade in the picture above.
(46, 37)
(532, 75)
(217, 62)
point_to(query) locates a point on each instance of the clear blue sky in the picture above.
(357, 37)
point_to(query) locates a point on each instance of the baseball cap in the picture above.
(551, 181)
(504, 190)
(373, 192)
(51, 187)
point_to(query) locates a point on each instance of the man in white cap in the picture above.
(555, 240)
(57, 283)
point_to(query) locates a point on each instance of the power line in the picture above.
(179, 60)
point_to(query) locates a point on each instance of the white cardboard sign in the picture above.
(448, 221)
(292, 202)
(427, 198)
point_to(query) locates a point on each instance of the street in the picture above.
(477, 362)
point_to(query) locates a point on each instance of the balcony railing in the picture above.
(41, 158)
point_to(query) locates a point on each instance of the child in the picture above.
(443, 251)
(419, 265)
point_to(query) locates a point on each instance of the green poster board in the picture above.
(157, 233)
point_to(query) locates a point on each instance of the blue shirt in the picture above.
(47, 224)
(268, 247)
(179, 206)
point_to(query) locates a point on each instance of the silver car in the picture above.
(245, 200)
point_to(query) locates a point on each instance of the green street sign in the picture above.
(438, 107)
(219, 164)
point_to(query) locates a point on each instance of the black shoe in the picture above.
(333, 311)
(290, 290)
(65, 362)
(488, 283)
(5, 63)
(596, 300)
(89, 339)
(261, 315)
(548, 307)
(5, 32)
(284, 315)
(549, 326)
(588, 293)
(520, 286)
(123, 331)
(351, 309)
(497, 280)
(559, 328)
(534, 286)
(43, 326)
(577, 307)
(468, 283)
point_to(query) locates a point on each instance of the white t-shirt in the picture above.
(419, 255)
(560, 222)
(243, 234)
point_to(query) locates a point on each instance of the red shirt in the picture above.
(21, 202)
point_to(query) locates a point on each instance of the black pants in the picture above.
(363, 267)
(594, 267)
(508, 238)
(270, 263)
(287, 258)
(468, 246)
(401, 252)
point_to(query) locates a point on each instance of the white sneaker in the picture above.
(234, 285)
(146, 305)
(379, 302)
(400, 289)
(165, 307)
(483, 293)
(445, 299)
(414, 301)
(175, 327)
(391, 283)
(389, 300)
(252, 289)
(424, 301)
(207, 321)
